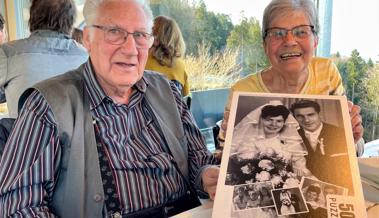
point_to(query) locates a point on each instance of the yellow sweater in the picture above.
(176, 72)
(323, 79)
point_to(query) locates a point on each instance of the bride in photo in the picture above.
(270, 128)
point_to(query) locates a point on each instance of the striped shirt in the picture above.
(142, 169)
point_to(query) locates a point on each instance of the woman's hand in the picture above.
(356, 121)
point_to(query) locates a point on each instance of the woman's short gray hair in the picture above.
(91, 6)
(280, 7)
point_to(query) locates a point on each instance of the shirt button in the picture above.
(97, 197)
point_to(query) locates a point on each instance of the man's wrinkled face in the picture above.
(117, 66)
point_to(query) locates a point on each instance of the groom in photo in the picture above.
(327, 157)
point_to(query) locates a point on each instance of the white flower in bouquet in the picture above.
(276, 180)
(263, 176)
(247, 169)
(266, 165)
(291, 182)
(247, 152)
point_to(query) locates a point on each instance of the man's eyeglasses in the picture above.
(299, 32)
(117, 36)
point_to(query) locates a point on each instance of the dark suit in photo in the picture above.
(333, 166)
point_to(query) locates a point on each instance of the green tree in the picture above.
(356, 70)
(248, 38)
(211, 29)
(182, 12)
(373, 99)
(198, 25)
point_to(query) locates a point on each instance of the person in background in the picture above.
(3, 30)
(77, 35)
(108, 139)
(3, 39)
(165, 56)
(289, 31)
(48, 51)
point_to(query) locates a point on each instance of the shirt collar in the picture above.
(50, 33)
(96, 92)
(315, 133)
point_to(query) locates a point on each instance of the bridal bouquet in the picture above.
(253, 164)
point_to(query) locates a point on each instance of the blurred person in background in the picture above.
(48, 51)
(77, 35)
(3, 30)
(3, 39)
(165, 56)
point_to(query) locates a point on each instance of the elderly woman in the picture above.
(166, 53)
(289, 30)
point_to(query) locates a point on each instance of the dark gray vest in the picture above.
(79, 190)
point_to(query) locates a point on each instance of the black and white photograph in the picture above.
(316, 191)
(289, 201)
(285, 139)
(289, 141)
(252, 196)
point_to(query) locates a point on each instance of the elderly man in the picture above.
(107, 139)
(325, 143)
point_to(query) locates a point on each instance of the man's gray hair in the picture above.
(279, 7)
(91, 7)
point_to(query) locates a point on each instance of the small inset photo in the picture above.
(252, 196)
(315, 191)
(289, 201)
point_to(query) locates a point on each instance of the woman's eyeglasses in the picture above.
(299, 32)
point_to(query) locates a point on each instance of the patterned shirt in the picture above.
(134, 144)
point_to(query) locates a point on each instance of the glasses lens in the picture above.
(142, 39)
(277, 33)
(114, 36)
(302, 32)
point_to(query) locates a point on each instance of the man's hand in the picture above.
(209, 178)
(356, 121)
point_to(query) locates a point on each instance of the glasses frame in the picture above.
(105, 29)
(266, 33)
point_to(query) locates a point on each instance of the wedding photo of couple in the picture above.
(284, 139)
(300, 146)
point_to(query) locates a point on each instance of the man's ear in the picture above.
(87, 38)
